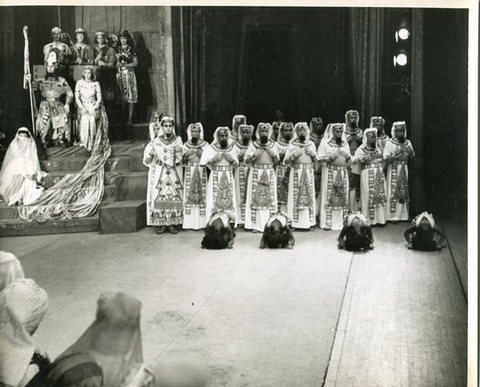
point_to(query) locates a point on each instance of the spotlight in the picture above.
(403, 34)
(401, 59)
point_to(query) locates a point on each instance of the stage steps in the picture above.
(125, 185)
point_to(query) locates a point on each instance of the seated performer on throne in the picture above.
(90, 109)
(20, 176)
(53, 121)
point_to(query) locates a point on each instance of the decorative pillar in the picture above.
(166, 89)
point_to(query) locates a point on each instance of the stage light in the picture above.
(401, 59)
(403, 34)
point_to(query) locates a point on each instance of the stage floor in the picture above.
(310, 316)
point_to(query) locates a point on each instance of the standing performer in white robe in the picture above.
(382, 137)
(354, 136)
(220, 158)
(262, 156)
(369, 163)
(163, 156)
(240, 146)
(301, 155)
(316, 135)
(238, 119)
(195, 179)
(21, 175)
(283, 171)
(398, 150)
(334, 154)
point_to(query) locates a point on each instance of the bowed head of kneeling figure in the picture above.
(278, 232)
(356, 234)
(219, 232)
(421, 235)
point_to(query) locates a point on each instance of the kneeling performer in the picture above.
(278, 232)
(420, 236)
(357, 232)
(219, 232)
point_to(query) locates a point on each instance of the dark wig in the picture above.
(215, 239)
(357, 242)
(276, 239)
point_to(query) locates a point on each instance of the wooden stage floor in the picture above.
(311, 316)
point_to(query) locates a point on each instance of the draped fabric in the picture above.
(366, 44)
(75, 195)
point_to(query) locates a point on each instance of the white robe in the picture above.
(258, 178)
(241, 179)
(195, 176)
(332, 212)
(20, 172)
(372, 187)
(397, 182)
(282, 173)
(301, 210)
(165, 191)
(221, 193)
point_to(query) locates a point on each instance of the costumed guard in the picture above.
(382, 137)
(283, 171)
(237, 120)
(20, 176)
(421, 235)
(165, 191)
(354, 136)
(398, 150)
(53, 116)
(219, 232)
(334, 155)
(368, 163)
(278, 232)
(261, 201)
(62, 50)
(195, 179)
(300, 156)
(220, 158)
(356, 234)
(240, 146)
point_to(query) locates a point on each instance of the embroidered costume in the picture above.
(354, 136)
(283, 171)
(262, 180)
(163, 156)
(397, 155)
(369, 163)
(335, 182)
(220, 158)
(300, 155)
(240, 146)
(195, 180)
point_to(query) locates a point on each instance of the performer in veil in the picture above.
(20, 176)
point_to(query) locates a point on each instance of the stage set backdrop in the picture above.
(208, 63)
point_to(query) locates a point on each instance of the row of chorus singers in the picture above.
(252, 179)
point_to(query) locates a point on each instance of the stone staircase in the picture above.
(123, 206)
